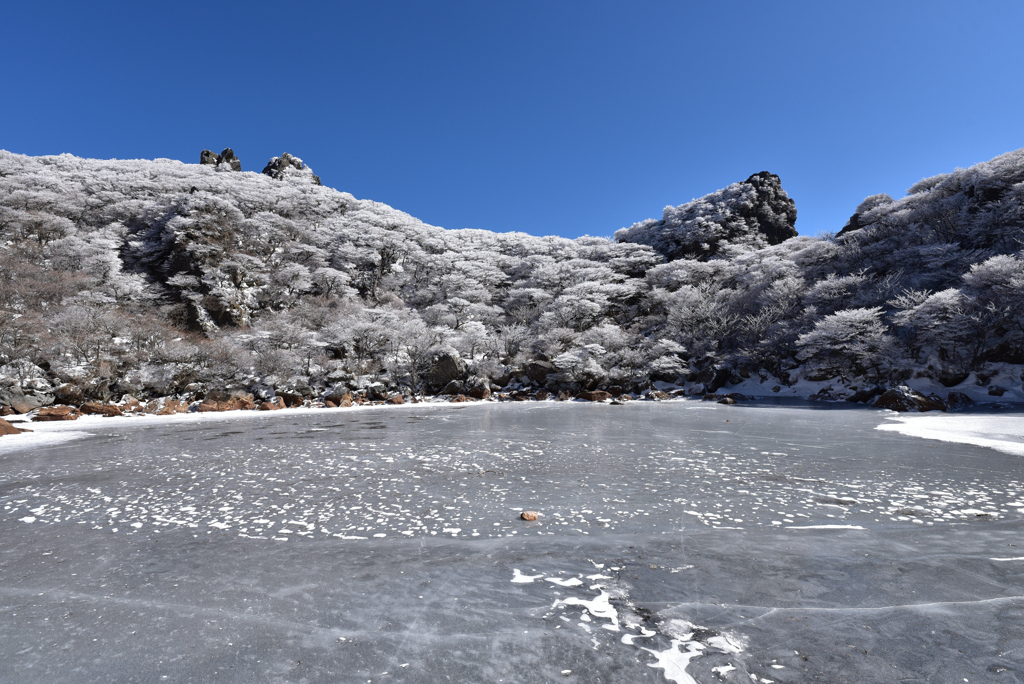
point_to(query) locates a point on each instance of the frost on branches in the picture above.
(149, 277)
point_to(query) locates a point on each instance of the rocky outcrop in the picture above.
(226, 157)
(289, 166)
(903, 398)
(756, 212)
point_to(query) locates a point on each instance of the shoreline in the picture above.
(959, 428)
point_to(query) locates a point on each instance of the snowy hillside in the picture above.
(153, 277)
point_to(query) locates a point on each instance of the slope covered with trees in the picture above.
(159, 278)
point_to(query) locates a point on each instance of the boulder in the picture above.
(209, 157)
(542, 395)
(21, 402)
(958, 401)
(49, 413)
(480, 392)
(8, 429)
(996, 391)
(727, 401)
(865, 395)
(69, 394)
(130, 404)
(615, 391)
(97, 409)
(290, 400)
(330, 404)
(288, 165)
(658, 395)
(445, 368)
(339, 398)
(397, 399)
(172, 407)
(710, 396)
(902, 398)
(268, 406)
(538, 371)
(6, 410)
(239, 403)
(595, 395)
(563, 396)
(453, 387)
(459, 399)
(529, 516)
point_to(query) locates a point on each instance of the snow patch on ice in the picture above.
(1003, 432)
(38, 440)
(520, 578)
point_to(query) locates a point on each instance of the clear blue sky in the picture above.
(547, 117)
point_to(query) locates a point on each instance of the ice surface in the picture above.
(319, 547)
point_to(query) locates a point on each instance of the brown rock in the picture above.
(710, 396)
(290, 400)
(346, 401)
(615, 391)
(727, 401)
(209, 406)
(397, 399)
(659, 395)
(7, 429)
(529, 515)
(57, 413)
(97, 409)
(329, 404)
(130, 404)
(596, 395)
(268, 406)
(563, 396)
(172, 406)
(69, 394)
(6, 410)
(542, 395)
(480, 392)
(459, 399)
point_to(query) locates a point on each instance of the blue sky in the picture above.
(546, 117)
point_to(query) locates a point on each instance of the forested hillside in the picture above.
(159, 278)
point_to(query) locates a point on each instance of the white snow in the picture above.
(1003, 432)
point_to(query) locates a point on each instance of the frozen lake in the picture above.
(678, 541)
